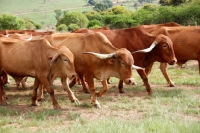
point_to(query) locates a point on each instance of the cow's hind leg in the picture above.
(23, 82)
(73, 82)
(85, 89)
(34, 95)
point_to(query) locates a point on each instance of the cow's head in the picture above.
(161, 50)
(119, 63)
(63, 61)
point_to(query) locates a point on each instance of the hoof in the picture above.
(172, 85)
(3, 103)
(57, 107)
(35, 104)
(150, 93)
(121, 91)
(41, 100)
(98, 94)
(98, 106)
(6, 98)
(75, 101)
(86, 91)
(45, 92)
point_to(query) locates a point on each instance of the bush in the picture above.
(10, 22)
(72, 27)
(75, 18)
(93, 23)
(30, 26)
(62, 27)
(38, 26)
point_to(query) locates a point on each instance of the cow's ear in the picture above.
(111, 61)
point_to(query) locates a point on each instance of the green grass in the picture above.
(43, 13)
(167, 110)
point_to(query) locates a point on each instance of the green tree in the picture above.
(75, 18)
(108, 3)
(72, 27)
(100, 7)
(58, 13)
(11, 22)
(92, 2)
(94, 23)
(117, 10)
(62, 27)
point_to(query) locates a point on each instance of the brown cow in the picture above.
(37, 59)
(106, 60)
(152, 27)
(186, 45)
(136, 39)
(23, 35)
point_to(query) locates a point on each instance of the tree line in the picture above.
(116, 17)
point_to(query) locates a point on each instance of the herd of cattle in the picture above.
(99, 53)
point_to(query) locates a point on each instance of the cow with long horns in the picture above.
(156, 48)
(96, 57)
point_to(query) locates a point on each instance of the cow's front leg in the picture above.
(2, 94)
(72, 98)
(145, 80)
(163, 68)
(104, 89)
(50, 90)
(93, 93)
(120, 86)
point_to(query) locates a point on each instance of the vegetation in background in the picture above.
(119, 17)
(75, 18)
(11, 22)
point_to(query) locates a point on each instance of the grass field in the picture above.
(168, 110)
(43, 13)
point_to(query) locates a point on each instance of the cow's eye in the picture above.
(123, 64)
(65, 60)
(164, 46)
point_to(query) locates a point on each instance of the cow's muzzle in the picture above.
(172, 62)
(130, 81)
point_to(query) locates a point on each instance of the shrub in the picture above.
(72, 27)
(62, 27)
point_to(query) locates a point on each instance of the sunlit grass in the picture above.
(168, 109)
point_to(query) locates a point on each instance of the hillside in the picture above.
(42, 11)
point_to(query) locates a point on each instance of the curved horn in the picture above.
(147, 49)
(30, 38)
(54, 58)
(137, 67)
(102, 56)
(7, 34)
